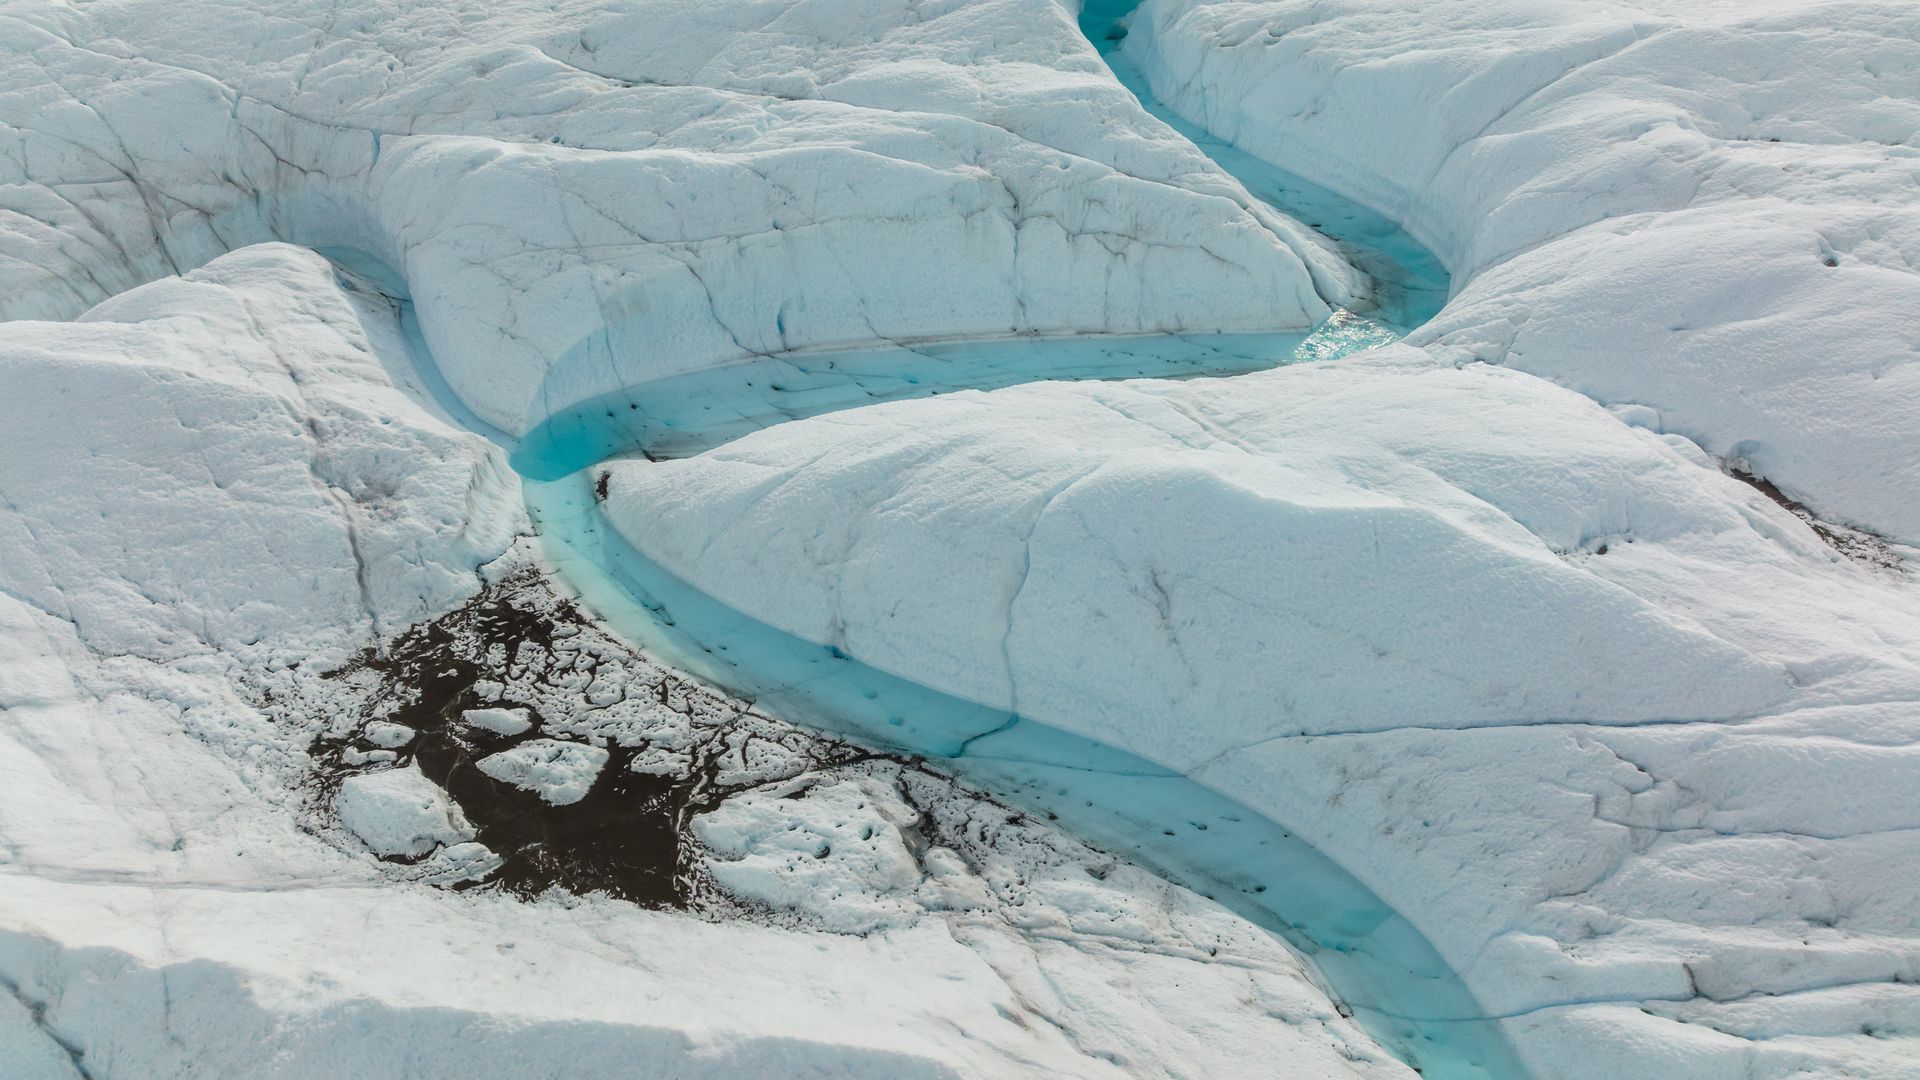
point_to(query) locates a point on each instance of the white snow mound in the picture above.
(399, 812)
(1185, 568)
(231, 460)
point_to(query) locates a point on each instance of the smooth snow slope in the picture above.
(1707, 209)
(584, 195)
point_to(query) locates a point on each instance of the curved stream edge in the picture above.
(1371, 958)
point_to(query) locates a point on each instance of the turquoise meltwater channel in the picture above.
(1375, 962)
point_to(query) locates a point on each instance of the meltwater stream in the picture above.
(1373, 960)
(1410, 283)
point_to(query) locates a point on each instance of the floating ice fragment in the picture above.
(498, 721)
(399, 812)
(559, 772)
(386, 734)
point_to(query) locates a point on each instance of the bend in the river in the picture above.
(1375, 961)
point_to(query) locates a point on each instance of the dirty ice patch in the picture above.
(560, 772)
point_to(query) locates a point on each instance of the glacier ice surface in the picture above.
(1545, 681)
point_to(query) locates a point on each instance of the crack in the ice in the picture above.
(37, 1014)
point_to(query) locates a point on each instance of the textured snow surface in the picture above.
(229, 457)
(587, 194)
(1706, 209)
(839, 852)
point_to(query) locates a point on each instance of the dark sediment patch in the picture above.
(1859, 544)
(675, 749)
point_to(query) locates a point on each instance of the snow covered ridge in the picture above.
(1627, 740)
(1280, 553)
(238, 461)
(1705, 209)
(584, 198)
